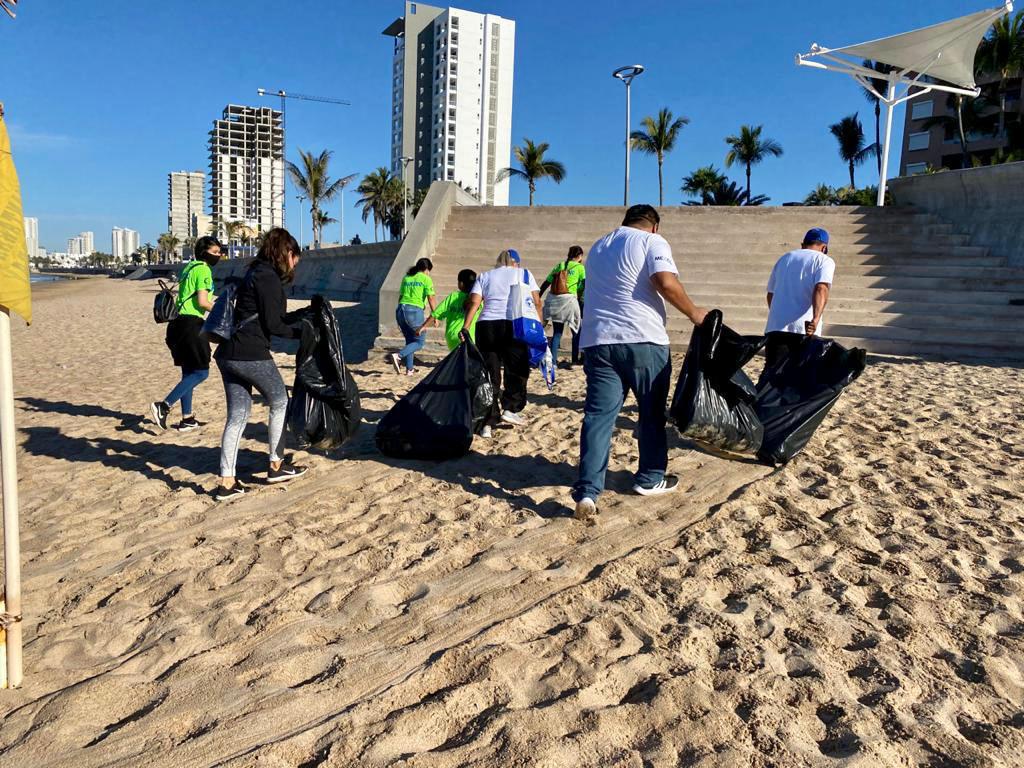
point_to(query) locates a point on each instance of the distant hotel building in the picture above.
(939, 146)
(32, 237)
(81, 245)
(452, 98)
(185, 193)
(123, 243)
(247, 168)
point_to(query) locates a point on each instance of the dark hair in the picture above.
(575, 252)
(420, 266)
(641, 213)
(467, 277)
(275, 249)
(204, 244)
(806, 243)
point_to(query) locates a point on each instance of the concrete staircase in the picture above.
(906, 283)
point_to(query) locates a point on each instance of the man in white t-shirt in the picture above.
(630, 276)
(798, 290)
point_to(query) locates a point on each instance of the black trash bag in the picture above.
(324, 411)
(714, 399)
(795, 396)
(438, 418)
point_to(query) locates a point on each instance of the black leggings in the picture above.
(504, 354)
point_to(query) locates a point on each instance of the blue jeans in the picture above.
(410, 319)
(557, 329)
(612, 370)
(190, 379)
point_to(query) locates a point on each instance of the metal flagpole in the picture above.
(9, 471)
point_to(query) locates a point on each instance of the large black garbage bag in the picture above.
(713, 401)
(795, 396)
(324, 411)
(440, 415)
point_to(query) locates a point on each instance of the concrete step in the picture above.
(868, 314)
(690, 212)
(702, 294)
(756, 280)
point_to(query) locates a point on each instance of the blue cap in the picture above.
(816, 235)
(515, 255)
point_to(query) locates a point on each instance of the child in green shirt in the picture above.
(453, 309)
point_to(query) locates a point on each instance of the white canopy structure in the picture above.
(936, 58)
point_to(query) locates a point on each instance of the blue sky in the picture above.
(104, 98)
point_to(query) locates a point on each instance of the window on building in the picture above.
(913, 169)
(451, 174)
(918, 141)
(412, 8)
(921, 110)
(455, 22)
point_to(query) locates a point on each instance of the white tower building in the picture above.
(452, 76)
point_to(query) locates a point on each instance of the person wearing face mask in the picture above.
(245, 361)
(191, 352)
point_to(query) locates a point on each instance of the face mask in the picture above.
(210, 259)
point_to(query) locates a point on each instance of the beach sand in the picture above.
(861, 606)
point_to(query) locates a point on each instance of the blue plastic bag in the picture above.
(526, 325)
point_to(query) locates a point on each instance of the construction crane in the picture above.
(282, 94)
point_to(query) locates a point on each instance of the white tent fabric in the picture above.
(943, 51)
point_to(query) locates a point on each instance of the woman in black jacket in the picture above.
(245, 360)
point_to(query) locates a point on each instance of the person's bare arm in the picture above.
(432, 301)
(770, 295)
(668, 285)
(537, 304)
(203, 300)
(818, 302)
(472, 305)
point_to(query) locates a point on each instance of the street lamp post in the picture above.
(626, 75)
(405, 197)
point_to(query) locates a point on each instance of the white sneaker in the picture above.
(485, 432)
(512, 418)
(668, 484)
(397, 362)
(586, 510)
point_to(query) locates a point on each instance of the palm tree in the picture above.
(750, 149)
(8, 6)
(729, 194)
(822, 194)
(703, 182)
(1002, 53)
(881, 85)
(417, 202)
(312, 181)
(374, 200)
(322, 219)
(533, 166)
(658, 139)
(168, 242)
(850, 135)
(147, 248)
(234, 231)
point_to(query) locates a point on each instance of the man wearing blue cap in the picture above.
(798, 291)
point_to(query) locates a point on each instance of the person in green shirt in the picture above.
(452, 310)
(189, 350)
(415, 293)
(575, 282)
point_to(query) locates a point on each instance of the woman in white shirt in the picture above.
(508, 360)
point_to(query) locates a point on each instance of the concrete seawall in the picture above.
(347, 273)
(985, 203)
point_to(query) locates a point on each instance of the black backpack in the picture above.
(220, 324)
(165, 303)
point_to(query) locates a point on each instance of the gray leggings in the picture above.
(240, 376)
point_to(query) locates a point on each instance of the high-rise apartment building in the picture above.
(32, 236)
(247, 168)
(185, 193)
(123, 243)
(451, 114)
(81, 245)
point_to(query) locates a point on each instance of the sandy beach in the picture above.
(860, 607)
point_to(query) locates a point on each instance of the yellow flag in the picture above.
(15, 290)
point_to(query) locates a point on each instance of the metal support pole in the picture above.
(9, 471)
(625, 190)
(890, 98)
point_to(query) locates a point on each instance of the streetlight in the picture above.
(626, 75)
(300, 198)
(405, 196)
